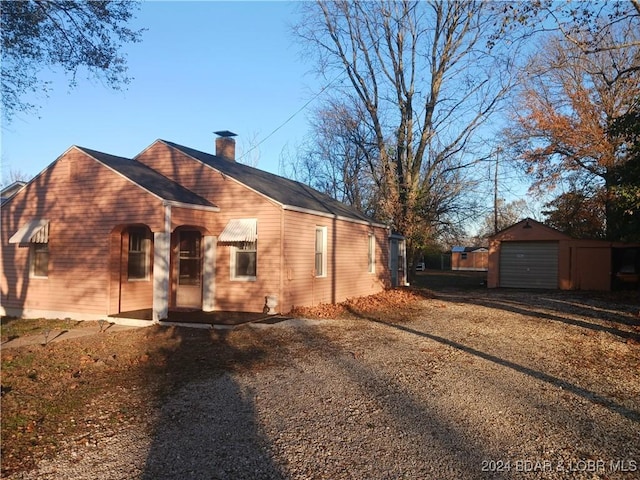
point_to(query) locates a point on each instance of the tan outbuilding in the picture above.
(532, 255)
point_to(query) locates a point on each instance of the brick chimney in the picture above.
(226, 145)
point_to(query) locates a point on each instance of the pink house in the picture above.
(96, 235)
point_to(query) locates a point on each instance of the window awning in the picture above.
(240, 230)
(35, 231)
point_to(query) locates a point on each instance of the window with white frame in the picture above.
(321, 252)
(138, 254)
(372, 253)
(39, 259)
(244, 257)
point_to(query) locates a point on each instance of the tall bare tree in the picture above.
(335, 158)
(505, 215)
(425, 79)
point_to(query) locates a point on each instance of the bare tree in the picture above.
(506, 214)
(15, 176)
(336, 156)
(583, 23)
(425, 80)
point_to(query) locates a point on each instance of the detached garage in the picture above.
(532, 255)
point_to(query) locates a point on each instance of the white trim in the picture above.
(191, 206)
(324, 230)
(161, 269)
(167, 219)
(209, 273)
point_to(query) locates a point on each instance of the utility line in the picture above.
(291, 117)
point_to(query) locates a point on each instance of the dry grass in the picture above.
(13, 327)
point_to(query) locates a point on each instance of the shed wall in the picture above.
(592, 268)
(581, 264)
(470, 261)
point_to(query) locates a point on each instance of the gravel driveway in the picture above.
(480, 384)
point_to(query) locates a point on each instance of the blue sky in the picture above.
(201, 67)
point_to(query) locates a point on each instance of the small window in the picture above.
(39, 256)
(463, 256)
(372, 253)
(138, 259)
(321, 252)
(244, 258)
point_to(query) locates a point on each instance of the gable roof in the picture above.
(10, 190)
(530, 223)
(460, 249)
(288, 193)
(148, 179)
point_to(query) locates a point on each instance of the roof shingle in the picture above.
(283, 190)
(149, 179)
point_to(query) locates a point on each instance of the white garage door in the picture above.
(529, 264)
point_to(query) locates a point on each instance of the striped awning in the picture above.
(35, 231)
(240, 230)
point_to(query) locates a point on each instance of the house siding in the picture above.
(83, 200)
(235, 201)
(347, 273)
(90, 207)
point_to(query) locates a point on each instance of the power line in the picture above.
(291, 117)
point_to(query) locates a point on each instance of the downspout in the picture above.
(282, 264)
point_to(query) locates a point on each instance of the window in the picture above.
(372, 253)
(138, 259)
(244, 257)
(39, 256)
(321, 252)
(189, 258)
(463, 256)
